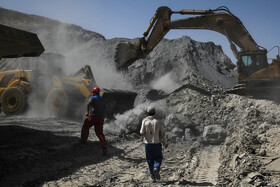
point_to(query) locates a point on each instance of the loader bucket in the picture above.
(17, 43)
(117, 101)
(126, 54)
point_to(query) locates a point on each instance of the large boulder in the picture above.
(171, 121)
(214, 134)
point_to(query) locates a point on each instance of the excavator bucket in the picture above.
(126, 54)
(118, 101)
(17, 43)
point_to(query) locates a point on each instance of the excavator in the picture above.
(256, 77)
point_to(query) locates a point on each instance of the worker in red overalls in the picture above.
(95, 117)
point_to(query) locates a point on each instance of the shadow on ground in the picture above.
(31, 157)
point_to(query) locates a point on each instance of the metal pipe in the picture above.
(193, 12)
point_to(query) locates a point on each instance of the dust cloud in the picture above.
(93, 53)
(165, 83)
(71, 59)
(130, 121)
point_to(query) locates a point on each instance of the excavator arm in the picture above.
(220, 20)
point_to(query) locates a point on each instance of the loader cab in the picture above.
(251, 62)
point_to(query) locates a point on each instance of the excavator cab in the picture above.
(251, 62)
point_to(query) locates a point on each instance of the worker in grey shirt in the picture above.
(154, 134)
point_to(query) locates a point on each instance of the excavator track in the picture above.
(206, 172)
(258, 90)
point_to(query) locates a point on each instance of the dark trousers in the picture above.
(154, 157)
(97, 122)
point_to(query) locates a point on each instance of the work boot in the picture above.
(156, 173)
(153, 180)
(104, 152)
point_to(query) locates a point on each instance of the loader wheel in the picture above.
(57, 102)
(14, 101)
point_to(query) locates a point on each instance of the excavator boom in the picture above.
(17, 43)
(220, 20)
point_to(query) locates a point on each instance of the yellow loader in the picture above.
(70, 93)
(15, 84)
(63, 95)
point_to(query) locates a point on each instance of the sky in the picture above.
(130, 18)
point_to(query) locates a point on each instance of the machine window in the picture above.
(6, 79)
(247, 60)
(261, 60)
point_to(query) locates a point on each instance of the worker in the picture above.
(95, 117)
(154, 134)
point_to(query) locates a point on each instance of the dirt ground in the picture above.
(46, 152)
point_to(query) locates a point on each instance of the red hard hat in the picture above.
(95, 89)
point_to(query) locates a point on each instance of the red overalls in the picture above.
(97, 122)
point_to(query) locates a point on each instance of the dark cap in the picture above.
(151, 110)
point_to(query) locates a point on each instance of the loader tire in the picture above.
(13, 101)
(57, 102)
